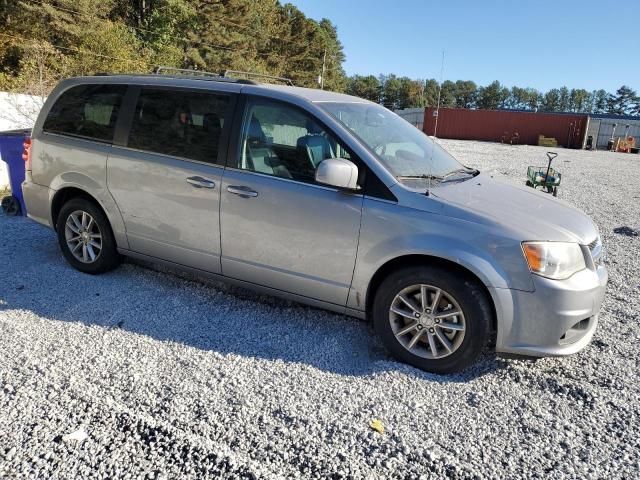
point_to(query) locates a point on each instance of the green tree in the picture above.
(579, 100)
(391, 87)
(89, 36)
(163, 30)
(598, 101)
(564, 104)
(551, 101)
(466, 93)
(492, 96)
(448, 94)
(534, 99)
(623, 101)
(431, 89)
(364, 87)
(335, 78)
(79, 36)
(518, 98)
(411, 93)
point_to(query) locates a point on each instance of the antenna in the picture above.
(435, 126)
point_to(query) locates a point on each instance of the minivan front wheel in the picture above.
(85, 237)
(432, 318)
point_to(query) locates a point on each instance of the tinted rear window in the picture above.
(179, 123)
(87, 111)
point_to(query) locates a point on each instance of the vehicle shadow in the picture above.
(176, 307)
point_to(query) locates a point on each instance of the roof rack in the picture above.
(185, 71)
(248, 75)
(199, 75)
(226, 76)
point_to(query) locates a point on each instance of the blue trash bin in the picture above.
(11, 148)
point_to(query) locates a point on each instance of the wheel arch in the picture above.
(412, 260)
(65, 194)
(67, 191)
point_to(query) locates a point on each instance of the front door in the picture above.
(279, 228)
(166, 180)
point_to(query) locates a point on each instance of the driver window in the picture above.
(284, 141)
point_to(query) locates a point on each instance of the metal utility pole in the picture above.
(324, 65)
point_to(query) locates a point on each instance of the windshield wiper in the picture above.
(468, 171)
(422, 176)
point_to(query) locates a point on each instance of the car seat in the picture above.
(259, 156)
(315, 145)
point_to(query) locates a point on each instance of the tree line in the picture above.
(402, 92)
(42, 41)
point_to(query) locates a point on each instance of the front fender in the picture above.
(390, 231)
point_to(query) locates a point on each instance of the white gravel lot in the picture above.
(175, 377)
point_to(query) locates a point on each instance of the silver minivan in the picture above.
(322, 198)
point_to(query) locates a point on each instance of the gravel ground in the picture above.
(158, 375)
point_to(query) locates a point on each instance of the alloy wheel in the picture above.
(83, 236)
(427, 321)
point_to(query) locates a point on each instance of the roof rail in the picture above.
(227, 75)
(248, 75)
(184, 71)
(199, 75)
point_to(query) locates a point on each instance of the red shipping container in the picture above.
(507, 126)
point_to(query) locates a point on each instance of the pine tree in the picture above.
(623, 101)
(492, 96)
(551, 101)
(365, 87)
(431, 89)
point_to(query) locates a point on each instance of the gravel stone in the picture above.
(173, 376)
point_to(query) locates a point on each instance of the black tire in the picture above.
(555, 192)
(467, 293)
(108, 258)
(11, 206)
(529, 184)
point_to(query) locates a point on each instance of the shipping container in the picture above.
(604, 127)
(415, 116)
(506, 126)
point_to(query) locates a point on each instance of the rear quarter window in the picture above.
(86, 111)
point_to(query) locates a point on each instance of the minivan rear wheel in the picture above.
(433, 319)
(85, 237)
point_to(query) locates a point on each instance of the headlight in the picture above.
(556, 260)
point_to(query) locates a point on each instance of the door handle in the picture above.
(244, 192)
(200, 182)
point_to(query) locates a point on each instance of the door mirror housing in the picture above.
(338, 172)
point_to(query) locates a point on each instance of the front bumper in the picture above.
(558, 318)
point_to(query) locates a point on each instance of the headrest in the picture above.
(210, 121)
(255, 130)
(313, 128)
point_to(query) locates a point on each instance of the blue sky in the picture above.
(542, 44)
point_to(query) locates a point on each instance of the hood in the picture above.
(538, 215)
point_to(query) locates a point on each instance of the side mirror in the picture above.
(338, 172)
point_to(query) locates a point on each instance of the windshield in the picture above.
(401, 147)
